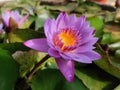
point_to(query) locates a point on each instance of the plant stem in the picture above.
(107, 55)
(36, 68)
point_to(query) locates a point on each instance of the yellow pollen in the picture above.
(68, 38)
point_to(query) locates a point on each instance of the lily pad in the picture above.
(8, 71)
(94, 78)
(21, 35)
(52, 79)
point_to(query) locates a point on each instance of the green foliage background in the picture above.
(16, 60)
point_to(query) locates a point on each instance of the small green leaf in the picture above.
(13, 47)
(98, 24)
(52, 79)
(114, 46)
(117, 53)
(88, 8)
(106, 38)
(39, 22)
(68, 8)
(8, 71)
(21, 35)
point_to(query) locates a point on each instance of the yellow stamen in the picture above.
(68, 38)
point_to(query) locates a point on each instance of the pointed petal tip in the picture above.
(26, 43)
(37, 44)
(23, 19)
(70, 78)
(83, 17)
(67, 68)
(99, 57)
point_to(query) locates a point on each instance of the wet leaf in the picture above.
(8, 71)
(109, 64)
(88, 7)
(117, 88)
(94, 78)
(21, 35)
(68, 8)
(52, 79)
(13, 47)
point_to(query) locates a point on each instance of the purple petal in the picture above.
(1, 26)
(6, 17)
(72, 19)
(65, 56)
(50, 27)
(62, 21)
(37, 44)
(60, 16)
(86, 30)
(1, 30)
(15, 15)
(79, 23)
(92, 55)
(67, 68)
(50, 30)
(80, 58)
(88, 45)
(53, 53)
(23, 19)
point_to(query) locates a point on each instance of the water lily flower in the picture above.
(68, 39)
(13, 19)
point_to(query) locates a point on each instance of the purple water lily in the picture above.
(68, 39)
(15, 16)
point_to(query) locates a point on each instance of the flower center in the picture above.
(67, 37)
(66, 40)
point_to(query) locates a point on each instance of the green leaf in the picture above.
(21, 35)
(39, 22)
(52, 79)
(106, 39)
(8, 71)
(118, 87)
(13, 47)
(88, 8)
(98, 24)
(27, 60)
(117, 53)
(94, 78)
(114, 30)
(68, 8)
(114, 46)
(111, 65)
(41, 15)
